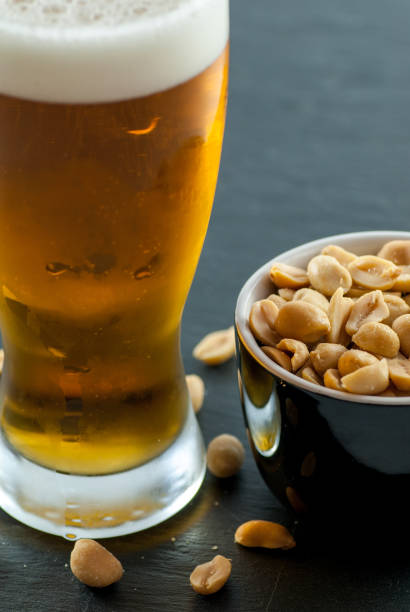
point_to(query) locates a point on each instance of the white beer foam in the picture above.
(85, 51)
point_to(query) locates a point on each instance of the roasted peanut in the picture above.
(286, 293)
(298, 350)
(331, 379)
(369, 380)
(210, 577)
(339, 311)
(217, 347)
(278, 357)
(302, 321)
(276, 299)
(264, 534)
(353, 360)
(401, 326)
(309, 374)
(326, 356)
(399, 371)
(262, 320)
(397, 307)
(326, 275)
(196, 390)
(369, 307)
(403, 281)
(287, 276)
(377, 338)
(397, 251)
(373, 272)
(343, 257)
(313, 297)
(94, 565)
(356, 292)
(225, 456)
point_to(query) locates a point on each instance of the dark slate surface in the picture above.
(317, 142)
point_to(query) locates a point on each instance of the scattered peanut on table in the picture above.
(264, 534)
(210, 577)
(343, 322)
(94, 565)
(225, 456)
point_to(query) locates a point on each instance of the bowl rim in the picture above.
(247, 338)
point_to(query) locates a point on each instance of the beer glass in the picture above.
(111, 126)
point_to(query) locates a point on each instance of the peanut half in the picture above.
(377, 338)
(298, 350)
(302, 321)
(312, 296)
(353, 360)
(397, 307)
(369, 380)
(332, 380)
(287, 276)
(264, 534)
(397, 251)
(278, 357)
(325, 356)
(196, 390)
(210, 577)
(373, 272)
(262, 320)
(94, 565)
(339, 311)
(217, 347)
(369, 307)
(401, 326)
(326, 275)
(343, 257)
(399, 370)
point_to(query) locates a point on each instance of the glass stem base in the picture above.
(103, 506)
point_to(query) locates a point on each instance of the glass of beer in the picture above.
(111, 124)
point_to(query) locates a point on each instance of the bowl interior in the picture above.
(259, 286)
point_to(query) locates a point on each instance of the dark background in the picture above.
(317, 143)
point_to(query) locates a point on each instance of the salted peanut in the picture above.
(276, 299)
(278, 357)
(399, 371)
(339, 311)
(377, 338)
(302, 321)
(331, 379)
(326, 275)
(309, 374)
(196, 390)
(325, 356)
(406, 298)
(401, 326)
(1, 360)
(217, 347)
(343, 257)
(369, 307)
(287, 276)
(313, 297)
(369, 380)
(225, 455)
(373, 272)
(210, 577)
(298, 350)
(262, 320)
(389, 392)
(397, 251)
(286, 293)
(94, 565)
(354, 359)
(397, 307)
(403, 281)
(264, 534)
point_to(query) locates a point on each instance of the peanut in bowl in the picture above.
(325, 449)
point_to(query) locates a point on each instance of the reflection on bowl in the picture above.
(322, 451)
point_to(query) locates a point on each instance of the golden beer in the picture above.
(103, 212)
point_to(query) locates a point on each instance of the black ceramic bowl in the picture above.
(322, 452)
